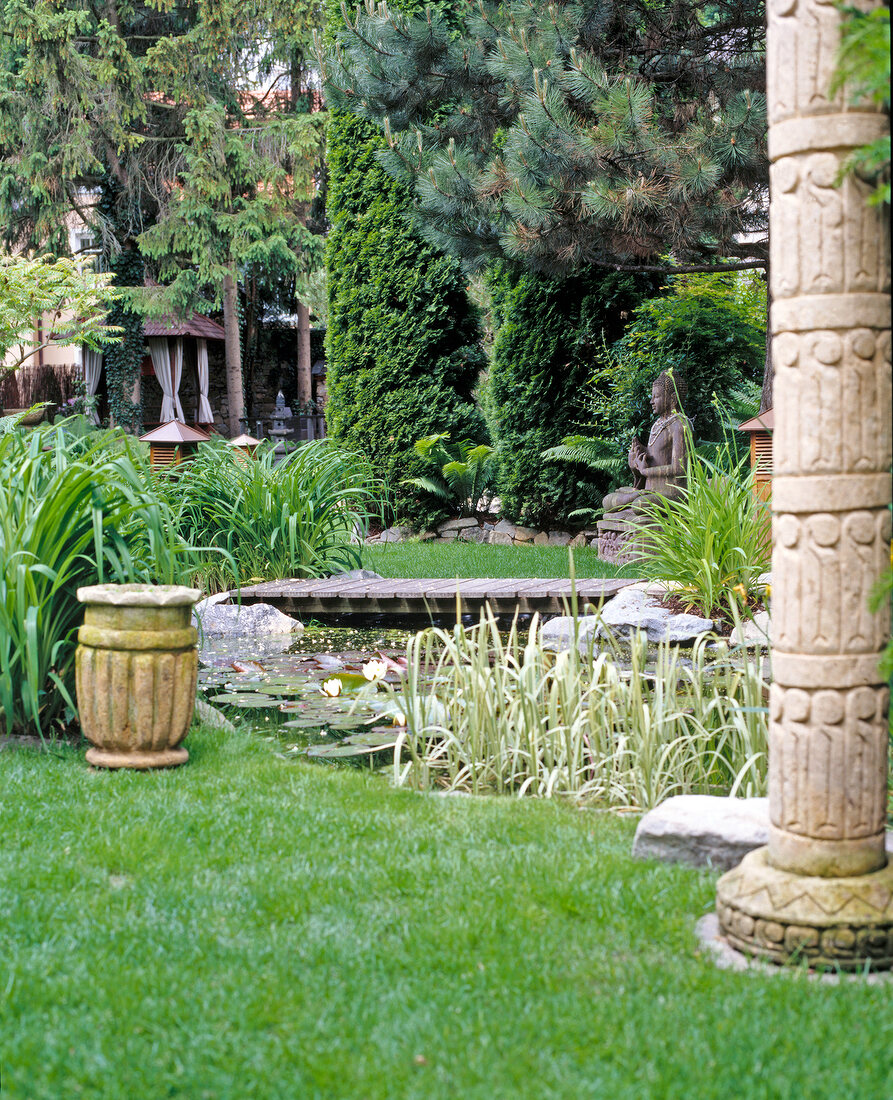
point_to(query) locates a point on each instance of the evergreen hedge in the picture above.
(403, 344)
(549, 336)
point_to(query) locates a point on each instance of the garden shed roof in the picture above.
(196, 325)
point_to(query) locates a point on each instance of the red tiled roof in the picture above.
(196, 325)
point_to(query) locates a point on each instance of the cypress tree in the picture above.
(402, 345)
(549, 336)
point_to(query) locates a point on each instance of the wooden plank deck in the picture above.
(422, 598)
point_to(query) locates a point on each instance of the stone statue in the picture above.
(659, 468)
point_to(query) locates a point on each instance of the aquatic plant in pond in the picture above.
(488, 714)
(481, 711)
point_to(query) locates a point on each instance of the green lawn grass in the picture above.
(471, 559)
(251, 927)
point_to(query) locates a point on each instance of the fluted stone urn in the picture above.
(136, 667)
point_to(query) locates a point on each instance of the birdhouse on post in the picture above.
(760, 429)
(246, 445)
(173, 443)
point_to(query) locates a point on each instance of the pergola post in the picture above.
(823, 889)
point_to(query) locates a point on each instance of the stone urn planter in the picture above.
(136, 669)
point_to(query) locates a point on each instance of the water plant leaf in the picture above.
(245, 699)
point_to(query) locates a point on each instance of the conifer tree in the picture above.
(144, 118)
(620, 133)
(403, 343)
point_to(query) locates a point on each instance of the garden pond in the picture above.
(323, 693)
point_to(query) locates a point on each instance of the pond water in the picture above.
(319, 693)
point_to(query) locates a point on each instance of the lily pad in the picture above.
(337, 752)
(245, 699)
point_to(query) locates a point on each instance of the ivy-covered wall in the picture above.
(549, 334)
(403, 342)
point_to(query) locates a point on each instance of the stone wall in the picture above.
(495, 533)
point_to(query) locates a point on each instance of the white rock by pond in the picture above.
(358, 575)
(703, 830)
(752, 632)
(246, 620)
(635, 609)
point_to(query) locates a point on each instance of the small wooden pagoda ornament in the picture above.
(173, 443)
(246, 444)
(760, 429)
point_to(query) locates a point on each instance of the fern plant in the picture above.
(462, 476)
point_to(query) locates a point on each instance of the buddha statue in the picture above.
(658, 468)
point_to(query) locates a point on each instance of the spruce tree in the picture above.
(622, 133)
(403, 344)
(155, 110)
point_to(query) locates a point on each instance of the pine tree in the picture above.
(622, 133)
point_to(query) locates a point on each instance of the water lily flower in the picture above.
(399, 719)
(374, 670)
(332, 687)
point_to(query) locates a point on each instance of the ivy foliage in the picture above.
(549, 332)
(402, 346)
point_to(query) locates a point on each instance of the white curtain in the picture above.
(177, 373)
(92, 361)
(168, 375)
(203, 415)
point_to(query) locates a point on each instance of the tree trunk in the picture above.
(305, 380)
(768, 370)
(234, 392)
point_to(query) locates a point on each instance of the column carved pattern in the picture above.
(823, 889)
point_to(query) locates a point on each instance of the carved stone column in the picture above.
(823, 890)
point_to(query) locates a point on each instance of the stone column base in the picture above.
(842, 923)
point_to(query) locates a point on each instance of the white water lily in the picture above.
(331, 687)
(374, 670)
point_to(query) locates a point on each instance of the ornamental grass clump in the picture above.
(714, 541)
(72, 513)
(515, 718)
(270, 516)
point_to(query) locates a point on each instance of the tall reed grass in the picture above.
(273, 517)
(714, 541)
(490, 714)
(72, 512)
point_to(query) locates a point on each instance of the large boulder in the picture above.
(635, 609)
(703, 830)
(246, 620)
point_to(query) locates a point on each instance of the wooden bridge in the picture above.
(425, 599)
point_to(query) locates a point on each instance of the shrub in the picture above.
(549, 333)
(714, 541)
(269, 518)
(70, 515)
(488, 714)
(709, 329)
(71, 299)
(403, 344)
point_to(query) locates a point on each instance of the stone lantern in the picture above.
(760, 429)
(173, 443)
